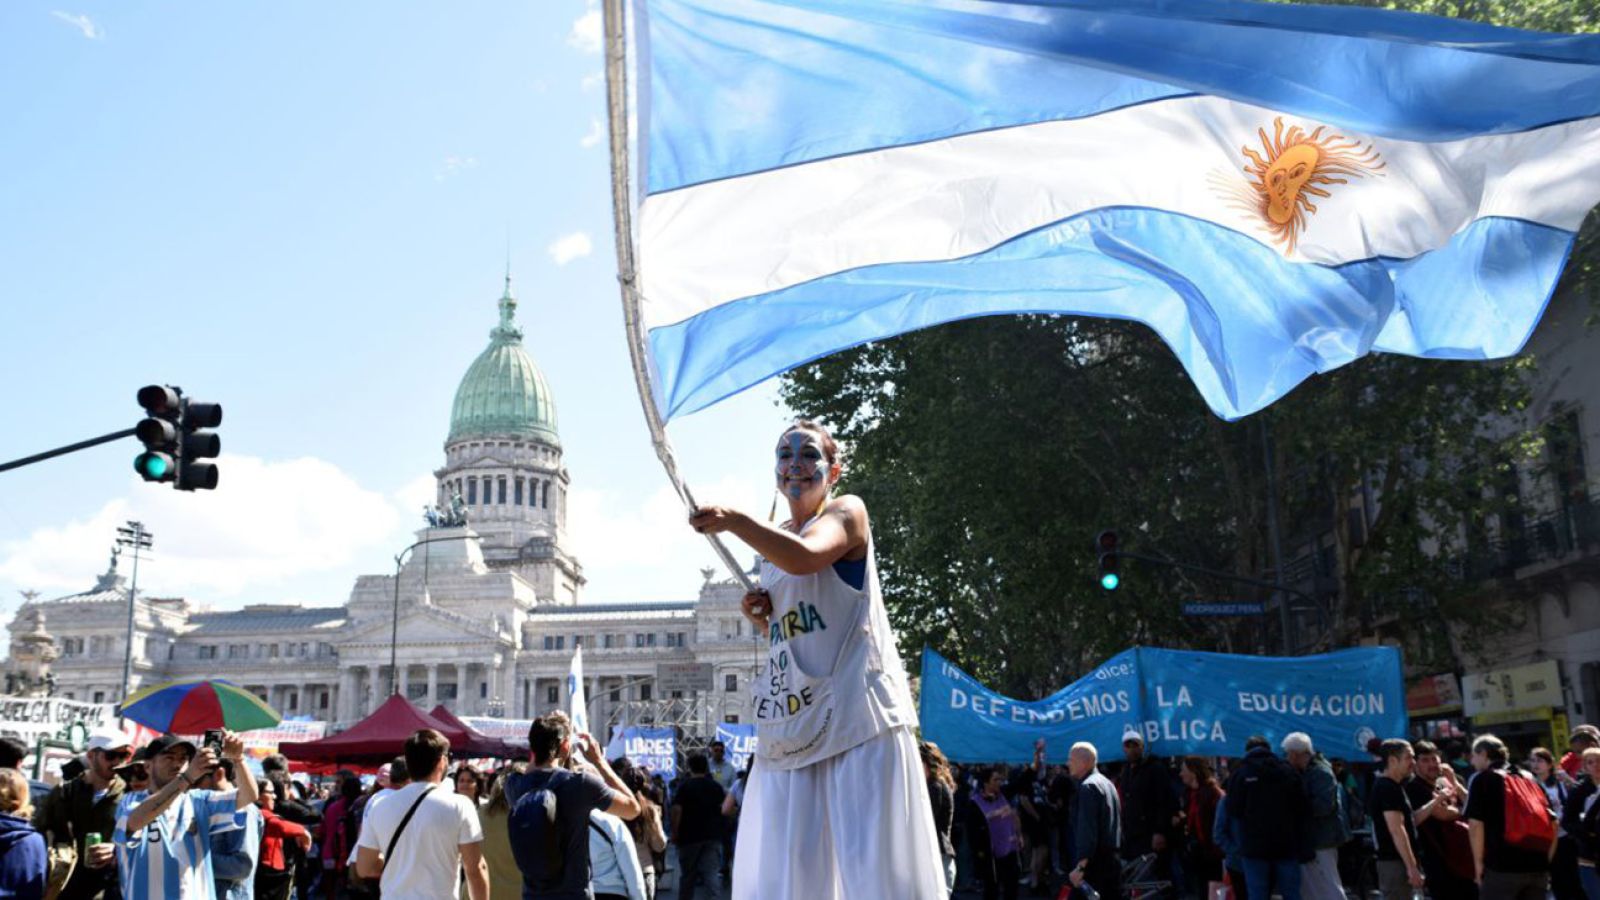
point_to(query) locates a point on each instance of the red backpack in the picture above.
(1528, 824)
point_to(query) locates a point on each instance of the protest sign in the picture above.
(740, 740)
(655, 749)
(1179, 702)
(512, 731)
(29, 719)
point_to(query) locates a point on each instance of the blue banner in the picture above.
(655, 749)
(740, 740)
(1180, 702)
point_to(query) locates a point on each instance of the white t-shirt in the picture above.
(427, 861)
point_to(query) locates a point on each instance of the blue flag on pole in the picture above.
(1276, 190)
(1179, 702)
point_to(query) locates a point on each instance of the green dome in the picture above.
(503, 393)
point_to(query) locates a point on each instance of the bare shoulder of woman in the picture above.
(852, 513)
(848, 505)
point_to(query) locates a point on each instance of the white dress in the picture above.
(836, 807)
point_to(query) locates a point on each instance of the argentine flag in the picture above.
(1276, 190)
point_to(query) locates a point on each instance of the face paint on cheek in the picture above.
(797, 471)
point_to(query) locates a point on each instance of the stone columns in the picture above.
(374, 679)
(344, 701)
(403, 685)
(508, 688)
(433, 685)
(496, 676)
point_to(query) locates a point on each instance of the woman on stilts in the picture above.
(836, 806)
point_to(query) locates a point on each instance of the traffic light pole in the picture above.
(70, 448)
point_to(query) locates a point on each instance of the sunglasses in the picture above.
(117, 755)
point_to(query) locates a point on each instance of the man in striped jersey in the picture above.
(163, 836)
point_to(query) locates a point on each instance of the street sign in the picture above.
(687, 677)
(1224, 609)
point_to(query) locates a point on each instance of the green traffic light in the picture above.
(153, 466)
(1110, 581)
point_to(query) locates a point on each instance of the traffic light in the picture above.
(198, 445)
(177, 440)
(159, 433)
(1105, 547)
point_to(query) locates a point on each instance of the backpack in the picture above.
(1528, 825)
(535, 833)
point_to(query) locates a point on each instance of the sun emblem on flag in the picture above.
(1291, 169)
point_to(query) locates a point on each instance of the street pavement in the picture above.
(668, 889)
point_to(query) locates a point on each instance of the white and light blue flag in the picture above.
(578, 699)
(1276, 190)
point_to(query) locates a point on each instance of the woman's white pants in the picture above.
(857, 826)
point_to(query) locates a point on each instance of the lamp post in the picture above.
(394, 625)
(135, 538)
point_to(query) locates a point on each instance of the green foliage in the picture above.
(991, 451)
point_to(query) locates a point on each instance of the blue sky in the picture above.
(302, 211)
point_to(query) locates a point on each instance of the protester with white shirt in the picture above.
(419, 840)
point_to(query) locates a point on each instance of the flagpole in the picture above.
(622, 218)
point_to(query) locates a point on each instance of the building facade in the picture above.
(1536, 563)
(483, 616)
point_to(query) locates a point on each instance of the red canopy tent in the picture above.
(478, 743)
(376, 739)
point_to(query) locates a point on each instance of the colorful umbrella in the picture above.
(190, 707)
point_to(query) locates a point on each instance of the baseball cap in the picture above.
(1132, 737)
(108, 739)
(164, 743)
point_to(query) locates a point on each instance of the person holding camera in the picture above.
(550, 804)
(163, 836)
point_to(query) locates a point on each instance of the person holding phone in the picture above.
(836, 805)
(571, 795)
(163, 836)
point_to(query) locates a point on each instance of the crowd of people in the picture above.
(1408, 819)
(173, 820)
(1405, 820)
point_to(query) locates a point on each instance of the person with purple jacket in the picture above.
(996, 837)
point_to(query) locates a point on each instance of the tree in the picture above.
(990, 451)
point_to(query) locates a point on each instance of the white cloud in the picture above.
(592, 80)
(645, 543)
(417, 493)
(586, 33)
(453, 166)
(267, 522)
(597, 133)
(83, 23)
(569, 247)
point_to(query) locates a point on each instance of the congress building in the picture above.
(489, 610)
